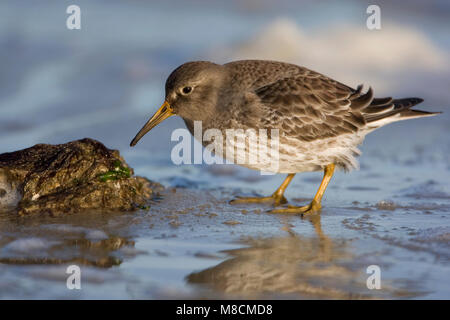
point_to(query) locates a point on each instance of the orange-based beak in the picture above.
(163, 113)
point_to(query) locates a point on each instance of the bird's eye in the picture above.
(187, 90)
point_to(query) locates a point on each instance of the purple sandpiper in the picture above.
(320, 120)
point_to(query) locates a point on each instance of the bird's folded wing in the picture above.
(312, 106)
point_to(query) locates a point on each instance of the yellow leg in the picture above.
(277, 197)
(315, 203)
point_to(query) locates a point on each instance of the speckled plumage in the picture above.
(282, 118)
(320, 120)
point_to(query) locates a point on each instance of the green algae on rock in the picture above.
(77, 176)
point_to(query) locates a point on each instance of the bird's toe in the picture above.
(311, 208)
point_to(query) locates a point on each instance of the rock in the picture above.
(74, 177)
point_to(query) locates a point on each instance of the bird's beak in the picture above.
(163, 113)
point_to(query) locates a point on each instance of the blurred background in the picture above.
(105, 80)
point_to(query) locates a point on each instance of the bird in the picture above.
(320, 121)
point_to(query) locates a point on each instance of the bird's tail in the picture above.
(382, 111)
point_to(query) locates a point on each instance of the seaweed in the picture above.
(116, 173)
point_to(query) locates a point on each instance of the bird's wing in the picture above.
(311, 106)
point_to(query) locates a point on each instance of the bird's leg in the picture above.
(315, 203)
(277, 197)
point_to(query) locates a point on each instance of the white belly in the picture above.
(294, 155)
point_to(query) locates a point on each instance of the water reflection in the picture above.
(291, 266)
(87, 240)
(97, 253)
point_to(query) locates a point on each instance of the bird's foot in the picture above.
(274, 198)
(314, 206)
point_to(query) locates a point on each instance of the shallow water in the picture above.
(105, 81)
(192, 243)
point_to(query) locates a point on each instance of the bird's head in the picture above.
(192, 91)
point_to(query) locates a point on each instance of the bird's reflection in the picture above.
(291, 266)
